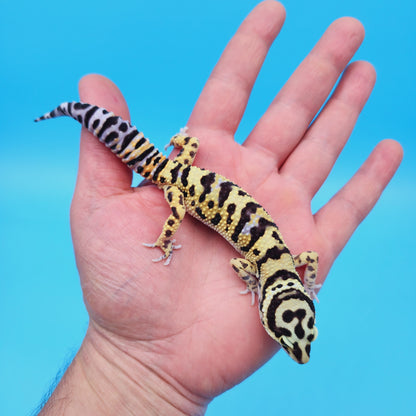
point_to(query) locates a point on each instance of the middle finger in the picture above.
(283, 125)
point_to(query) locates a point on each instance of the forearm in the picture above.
(103, 380)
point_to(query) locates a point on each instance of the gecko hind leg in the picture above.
(247, 273)
(188, 145)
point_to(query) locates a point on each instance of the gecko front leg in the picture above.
(309, 259)
(165, 241)
(247, 273)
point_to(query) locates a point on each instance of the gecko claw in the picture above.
(167, 256)
(253, 295)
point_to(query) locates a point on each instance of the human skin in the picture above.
(167, 340)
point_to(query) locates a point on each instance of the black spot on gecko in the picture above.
(192, 190)
(81, 106)
(210, 204)
(149, 160)
(230, 209)
(257, 232)
(159, 169)
(175, 212)
(141, 156)
(95, 123)
(141, 142)
(174, 173)
(206, 182)
(110, 121)
(110, 137)
(276, 236)
(250, 208)
(89, 114)
(185, 174)
(225, 190)
(297, 352)
(128, 138)
(288, 316)
(273, 253)
(123, 127)
(200, 213)
(216, 220)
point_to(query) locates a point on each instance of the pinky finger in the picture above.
(339, 218)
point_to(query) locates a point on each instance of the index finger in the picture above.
(224, 98)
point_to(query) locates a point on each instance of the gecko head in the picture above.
(290, 319)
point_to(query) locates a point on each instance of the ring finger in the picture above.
(312, 160)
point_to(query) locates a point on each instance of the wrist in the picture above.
(103, 379)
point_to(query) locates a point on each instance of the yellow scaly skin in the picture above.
(268, 269)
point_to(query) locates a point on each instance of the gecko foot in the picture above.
(167, 249)
(253, 295)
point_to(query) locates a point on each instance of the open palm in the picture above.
(187, 321)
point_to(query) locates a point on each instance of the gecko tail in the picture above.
(62, 110)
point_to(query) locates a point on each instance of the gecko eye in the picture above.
(285, 343)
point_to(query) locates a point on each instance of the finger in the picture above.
(100, 170)
(339, 218)
(293, 109)
(312, 160)
(224, 98)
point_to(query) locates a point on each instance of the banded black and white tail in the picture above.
(118, 135)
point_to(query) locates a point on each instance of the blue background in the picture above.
(160, 54)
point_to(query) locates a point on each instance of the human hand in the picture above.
(185, 329)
